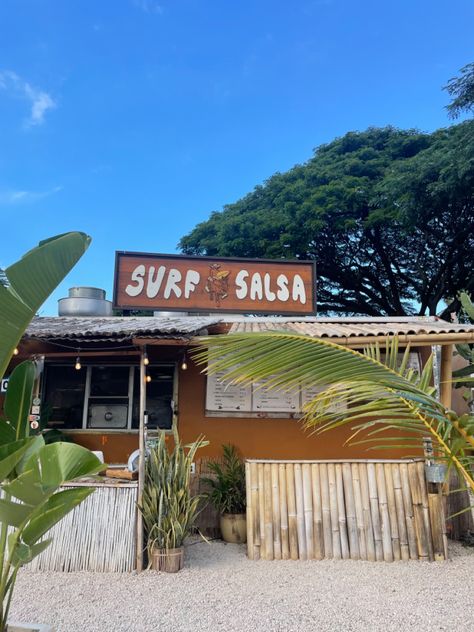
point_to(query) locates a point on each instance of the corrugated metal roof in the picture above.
(117, 328)
(339, 328)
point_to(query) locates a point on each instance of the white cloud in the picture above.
(40, 101)
(10, 197)
(149, 6)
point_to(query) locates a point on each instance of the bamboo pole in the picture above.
(268, 511)
(336, 538)
(276, 513)
(392, 512)
(446, 387)
(409, 514)
(326, 510)
(420, 469)
(435, 502)
(285, 545)
(366, 508)
(350, 511)
(308, 510)
(255, 510)
(292, 520)
(402, 527)
(141, 460)
(261, 509)
(302, 545)
(374, 512)
(359, 512)
(250, 522)
(341, 510)
(384, 515)
(317, 513)
(421, 535)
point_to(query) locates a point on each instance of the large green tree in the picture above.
(387, 214)
(461, 89)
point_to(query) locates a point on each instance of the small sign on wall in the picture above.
(4, 384)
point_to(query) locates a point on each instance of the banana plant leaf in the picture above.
(27, 284)
(18, 398)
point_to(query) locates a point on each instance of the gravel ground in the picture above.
(221, 590)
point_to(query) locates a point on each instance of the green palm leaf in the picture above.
(374, 391)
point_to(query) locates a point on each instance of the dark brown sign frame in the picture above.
(296, 265)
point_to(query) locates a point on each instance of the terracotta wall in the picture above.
(259, 438)
(255, 438)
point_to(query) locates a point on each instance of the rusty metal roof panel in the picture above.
(117, 328)
(348, 329)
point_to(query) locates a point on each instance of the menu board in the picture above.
(276, 401)
(309, 392)
(221, 395)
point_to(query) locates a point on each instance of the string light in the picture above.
(148, 378)
(146, 360)
(184, 364)
(78, 365)
(15, 351)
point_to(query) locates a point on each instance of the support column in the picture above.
(141, 460)
(446, 375)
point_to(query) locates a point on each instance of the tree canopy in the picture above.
(462, 90)
(387, 214)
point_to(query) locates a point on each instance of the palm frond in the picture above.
(376, 391)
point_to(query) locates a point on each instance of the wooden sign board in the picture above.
(212, 284)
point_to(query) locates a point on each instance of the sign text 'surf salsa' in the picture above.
(211, 284)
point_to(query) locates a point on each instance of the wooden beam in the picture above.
(85, 354)
(163, 342)
(141, 462)
(446, 371)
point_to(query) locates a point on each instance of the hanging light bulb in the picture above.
(146, 360)
(78, 365)
(184, 364)
(148, 378)
(15, 351)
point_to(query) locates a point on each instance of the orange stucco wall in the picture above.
(255, 438)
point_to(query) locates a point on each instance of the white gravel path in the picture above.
(221, 590)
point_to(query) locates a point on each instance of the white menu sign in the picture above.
(276, 401)
(309, 392)
(227, 397)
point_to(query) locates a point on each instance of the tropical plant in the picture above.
(31, 472)
(227, 488)
(169, 509)
(387, 404)
(25, 285)
(466, 351)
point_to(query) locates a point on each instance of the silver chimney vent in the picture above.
(85, 301)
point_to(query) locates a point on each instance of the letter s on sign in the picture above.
(242, 289)
(137, 277)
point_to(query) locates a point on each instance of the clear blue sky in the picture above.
(132, 120)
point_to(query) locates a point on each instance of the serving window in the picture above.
(106, 397)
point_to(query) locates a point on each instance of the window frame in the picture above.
(130, 395)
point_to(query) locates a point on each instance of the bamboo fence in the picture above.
(98, 535)
(360, 510)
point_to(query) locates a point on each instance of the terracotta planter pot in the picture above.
(234, 528)
(167, 560)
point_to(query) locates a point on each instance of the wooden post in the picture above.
(445, 389)
(141, 461)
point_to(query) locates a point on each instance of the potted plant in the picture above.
(228, 494)
(169, 510)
